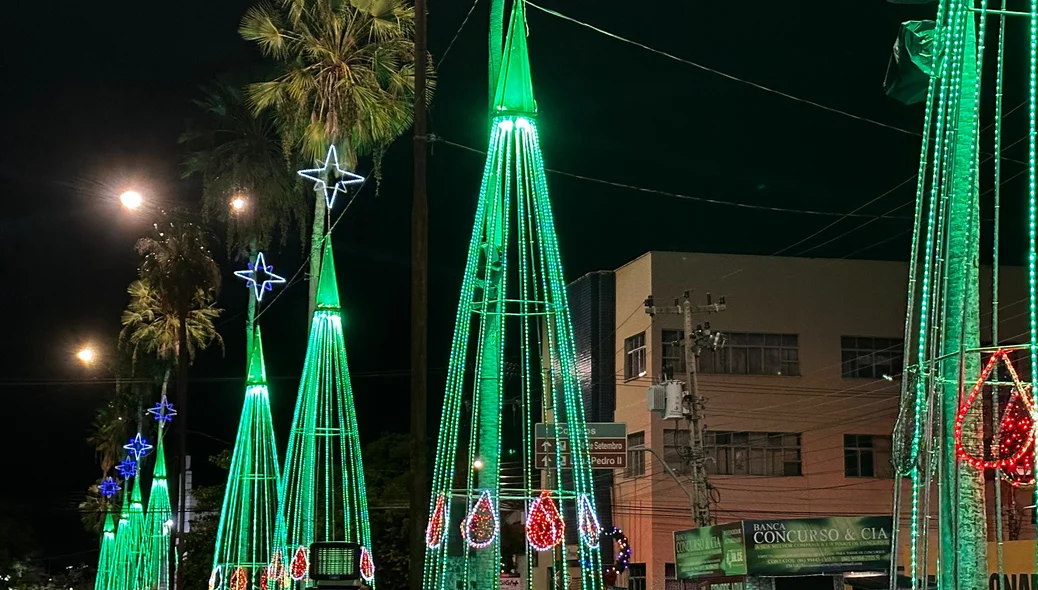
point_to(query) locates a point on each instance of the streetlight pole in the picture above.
(419, 310)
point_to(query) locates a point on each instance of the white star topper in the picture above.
(259, 283)
(320, 177)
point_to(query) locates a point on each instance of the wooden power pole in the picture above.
(419, 310)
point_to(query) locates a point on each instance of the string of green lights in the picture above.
(322, 495)
(158, 526)
(249, 512)
(520, 307)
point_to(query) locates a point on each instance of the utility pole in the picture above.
(419, 504)
(695, 340)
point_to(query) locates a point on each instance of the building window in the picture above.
(770, 454)
(634, 351)
(753, 354)
(670, 572)
(636, 576)
(871, 358)
(674, 351)
(635, 459)
(866, 455)
(675, 449)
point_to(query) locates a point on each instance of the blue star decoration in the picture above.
(260, 277)
(127, 467)
(321, 177)
(163, 411)
(138, 447)
(109, 487)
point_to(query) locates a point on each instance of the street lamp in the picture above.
(86, 355)
(131, 200)
(238, 204)
(477, 464)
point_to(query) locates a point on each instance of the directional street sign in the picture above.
(608, 445)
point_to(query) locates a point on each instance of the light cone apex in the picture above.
(136, 490)
(328, 288)
(109, 523)
(257, 366)
(160, 457)
(514, 84)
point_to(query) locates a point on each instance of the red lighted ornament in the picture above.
(367, 566)
(544, 526)
(437, 523)
(300, 563)
(1016, 427)
(239, 581)
(480, 527)
(263, 579)
(590, 529)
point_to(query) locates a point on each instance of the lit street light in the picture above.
(477, 464)
(131, 199)
(238, 204)
(86, 355)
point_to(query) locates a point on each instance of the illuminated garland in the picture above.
(300, 564)
(367, 565)
(623, 556)
(545, 527)
(1016, 426)
(590, 528)
(480, 527)
(437, 523)
(239, 581)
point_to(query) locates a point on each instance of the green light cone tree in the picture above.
(249, 513)
(106, 557)
(938, 439)
(138, 554)
(121, 566)
(323, 495)
(513, 297)
(158, 524)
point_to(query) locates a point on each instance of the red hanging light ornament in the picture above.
(300, 564)
(437, 523)
(1016, 427)
(263, 579)
(480, 527)
(239, 581)
(544, 526)
(367, 566)
(276, 569)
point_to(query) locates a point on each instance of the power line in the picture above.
(456, 34)
(720, 73)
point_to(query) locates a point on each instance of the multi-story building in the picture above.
(800, 401)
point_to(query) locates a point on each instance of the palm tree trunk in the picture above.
(316, 240)
(250, 325)
(183, 358)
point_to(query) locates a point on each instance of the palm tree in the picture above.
(346, 79)
(179, 270)
(237, 152)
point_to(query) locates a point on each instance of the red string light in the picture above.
(263, 579)
(300, 563)
(239, 580)
(544, 526)
(1016, 429)
(480, 527)
(437, 523)
(276, 569)
(367, 565)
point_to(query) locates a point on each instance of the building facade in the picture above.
(800, 401)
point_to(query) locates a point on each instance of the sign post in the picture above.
(608, 442)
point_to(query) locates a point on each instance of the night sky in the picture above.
(96, 93)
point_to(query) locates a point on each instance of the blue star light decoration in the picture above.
(109, 487)
(127, 467)
(260, 277)
(322, 180)
(138, 447)
(163, 411)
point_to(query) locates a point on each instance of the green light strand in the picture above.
(249, 512)
(158, 526)
(106, 556)
(322, 496)
(123, 572)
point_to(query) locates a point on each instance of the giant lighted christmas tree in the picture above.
(127, 539)
(513, 301)
(249, 514)
(158, 523)
(322, 495)
(106, 557)
(941, 431)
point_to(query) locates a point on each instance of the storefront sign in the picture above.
(710, 551)
(784, 547)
